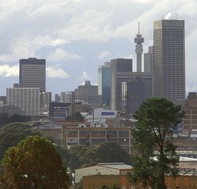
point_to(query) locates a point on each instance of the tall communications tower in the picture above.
(139, 49)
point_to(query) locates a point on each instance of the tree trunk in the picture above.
(161, 183)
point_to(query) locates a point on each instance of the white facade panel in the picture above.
(104, 114)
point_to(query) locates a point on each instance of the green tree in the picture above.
(64, 153)
(4, 119)
(19, 118)
(82, 156)
(77, 156)
(152, 139)
(12, 133)
(34, 163)
(111, 152)
(90, 157)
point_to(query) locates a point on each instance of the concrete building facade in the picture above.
(27, 99)
(190, 116)
(45, 99)
(66, 97)
(88, 93)
(32, 73)
(148, 60)
(169, 59)
(93, 136)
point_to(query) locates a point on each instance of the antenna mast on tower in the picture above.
(139, 48)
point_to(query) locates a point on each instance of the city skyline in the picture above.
(76, 37)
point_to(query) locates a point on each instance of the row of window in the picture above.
(98, 133)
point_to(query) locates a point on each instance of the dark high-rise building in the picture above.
(138, 90)
(148, 60)
(120, 69)
(169, 59)
(32, 73)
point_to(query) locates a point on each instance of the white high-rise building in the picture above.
(27, 99)
(45, 99)
(66, 97)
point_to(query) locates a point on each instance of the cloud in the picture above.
(61, 55)
(145, 1)
(47, 40)
(92, 25)
(84, 76)
(104, 55)
(171, 15)
(56, 72)
(121, 3)
(86, 32)
(13, 71)
(9, 71)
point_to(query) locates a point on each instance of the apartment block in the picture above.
(27, 99)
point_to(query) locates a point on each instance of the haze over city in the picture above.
(76, 36)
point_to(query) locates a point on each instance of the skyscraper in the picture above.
(104, 83)
(32, 73)
(169, 59)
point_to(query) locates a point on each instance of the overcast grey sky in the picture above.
(76, 36)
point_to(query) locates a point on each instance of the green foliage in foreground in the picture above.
(13, 133)
(152, 138)
(73, 158)
(34, 163)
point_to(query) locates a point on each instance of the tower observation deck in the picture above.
(139, 48)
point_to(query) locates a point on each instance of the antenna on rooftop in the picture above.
(138, 27)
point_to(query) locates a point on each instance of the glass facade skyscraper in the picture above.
(104, 83)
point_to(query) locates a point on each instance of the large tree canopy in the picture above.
(34, 163)
(112, 152)
(82, 156)
(5, 118)
(77, 154)
(12, 133)
(152, 139)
